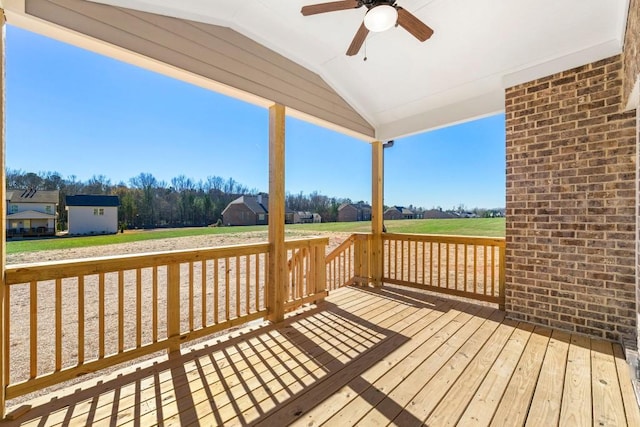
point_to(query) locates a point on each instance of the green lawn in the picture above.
(492, 227)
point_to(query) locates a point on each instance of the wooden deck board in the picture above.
(548, 394)
(334, 340)
(289, 413)
(334, 368)
(631, 409)
(608, 409)
(388, 369)
(395, 400)
(367, 357)
(514, 406)
(367, 391)
(484, 403)
(576, 399)
(104, 408)
(242, 386)
(426, 400)
(449, 410)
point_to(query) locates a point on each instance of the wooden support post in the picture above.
(377, 173)
(3, 222)
(277, 251)
(173, 307)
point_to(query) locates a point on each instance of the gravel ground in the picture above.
(160, 245)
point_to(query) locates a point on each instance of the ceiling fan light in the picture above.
(381, 18)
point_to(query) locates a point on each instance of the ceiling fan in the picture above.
(381, 15)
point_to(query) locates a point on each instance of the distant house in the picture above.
(92, 214)
(398, 212)
(247, 210)
(31, 212)
(251, 210)
(348, 212)
(306, 218)
(438, 214)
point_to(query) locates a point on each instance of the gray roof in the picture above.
(437, 214)
(400, 209)
(33, 196)
(30, 214)
(251, 202)
(92, 200)
(358, 206)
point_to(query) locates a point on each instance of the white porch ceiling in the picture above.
(479, 48)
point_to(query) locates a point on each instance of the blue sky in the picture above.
(82, 114)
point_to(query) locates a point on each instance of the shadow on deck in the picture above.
(369, 357)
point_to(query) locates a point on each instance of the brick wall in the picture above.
(631, 67)
(348, 214)
(239, 214)
(631, 54)
(638, 230)
(571, 191)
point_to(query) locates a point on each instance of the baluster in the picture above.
(120, 311)
(203, 292)
(80, 320)
(154, 297)
(173, 307)
(33, 328)
(138, 307)
(58, 298)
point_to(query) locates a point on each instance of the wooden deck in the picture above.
(367, 357)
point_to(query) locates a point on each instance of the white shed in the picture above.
(92, 214)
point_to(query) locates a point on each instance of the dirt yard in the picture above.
(161, 245)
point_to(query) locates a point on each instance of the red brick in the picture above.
(571, 219)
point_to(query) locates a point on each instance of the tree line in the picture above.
(146, 202)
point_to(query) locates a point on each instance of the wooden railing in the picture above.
(349, 263)
(471, 267)
(109, 310)
(113, 309)
(340, 265)
(306, 271)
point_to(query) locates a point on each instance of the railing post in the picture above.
(367, 243)
(502, 276)
(357, 263)
(319, 268)
(361, 259)
(173, 307)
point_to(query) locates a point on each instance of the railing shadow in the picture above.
(407, 296)
(338, 371)
(274, 373)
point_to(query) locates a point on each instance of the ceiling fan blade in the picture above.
(413, 25)
(329, 7)
(357, 41)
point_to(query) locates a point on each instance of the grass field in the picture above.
(492, 227)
